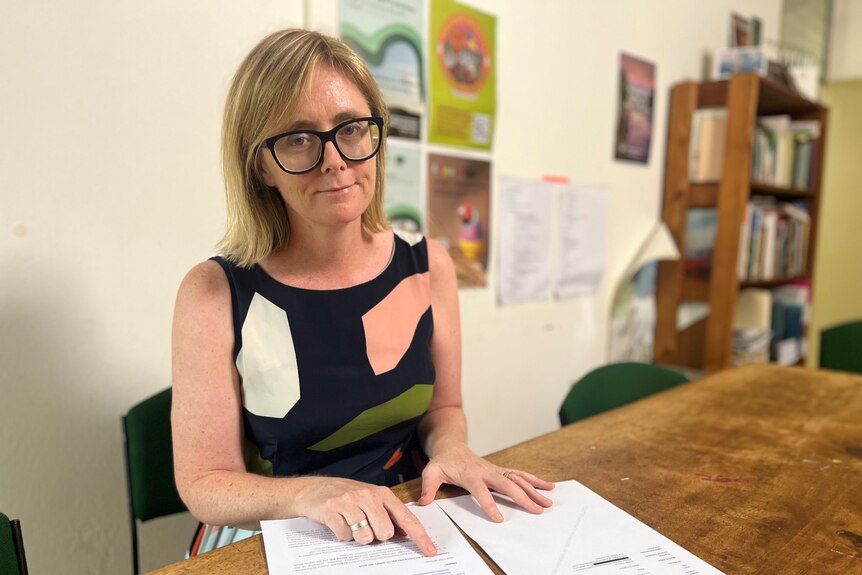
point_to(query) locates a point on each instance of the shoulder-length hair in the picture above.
(264, 94)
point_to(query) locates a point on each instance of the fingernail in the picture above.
(498, 517)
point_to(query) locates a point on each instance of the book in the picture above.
(707, 142)
(700, 229)
(744, 240)
(780, 172)
(769, 236)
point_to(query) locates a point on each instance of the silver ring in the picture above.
(358, 526)
(506, 474)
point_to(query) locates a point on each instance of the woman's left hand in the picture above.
(460, 466)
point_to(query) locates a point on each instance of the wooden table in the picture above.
(754, 469)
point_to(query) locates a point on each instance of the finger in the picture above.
(430, 486)
(411, 526)
(508, 486)
(531, 491)
(483, 497)
(536, 482)
(379, 523)
(338, 525)
(359, 526)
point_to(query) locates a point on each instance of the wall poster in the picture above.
(388, 37)
(462, 64)
(634, 120)
(402, 200)
(459, 213)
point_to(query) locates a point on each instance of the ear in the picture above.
(264, 168)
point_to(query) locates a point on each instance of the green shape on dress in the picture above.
(254, 462)
(412, 403)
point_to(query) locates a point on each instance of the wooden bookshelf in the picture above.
(707, 344)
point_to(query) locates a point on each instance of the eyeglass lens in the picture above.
(299, 151)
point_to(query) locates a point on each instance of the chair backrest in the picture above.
(614, 385)
(12, 558)
(149, 463)
(841, 347)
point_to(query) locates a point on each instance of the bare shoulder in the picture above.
(205, 281)
(439, 260)
(203, 295)
(441, 268)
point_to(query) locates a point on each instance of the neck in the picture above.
(323, 247)
(334, 257)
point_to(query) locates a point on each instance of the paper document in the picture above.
(304, 546)
(580, 533)
(525, 241)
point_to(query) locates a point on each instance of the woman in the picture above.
(318, 360)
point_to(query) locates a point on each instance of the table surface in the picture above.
(754, 469)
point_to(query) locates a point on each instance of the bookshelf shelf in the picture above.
(707, 345)
(771, 283)
(761, 189)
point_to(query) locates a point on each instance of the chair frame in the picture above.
(151, 493)
(133, 521)
(18, 542)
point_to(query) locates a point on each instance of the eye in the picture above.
(298, 140)
(354, 129)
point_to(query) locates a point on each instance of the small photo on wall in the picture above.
(634, 121)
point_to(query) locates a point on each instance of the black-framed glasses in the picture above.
(300, 151)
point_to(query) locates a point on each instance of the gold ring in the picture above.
(506, 474)
(358, 526)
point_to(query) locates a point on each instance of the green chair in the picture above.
(12, 558)
(614, 385)
(149, 464)
(841, 347)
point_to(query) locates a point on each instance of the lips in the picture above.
(336, 189)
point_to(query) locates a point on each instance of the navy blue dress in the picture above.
(335, 382)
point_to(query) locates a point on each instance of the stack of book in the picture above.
(790, 312)
(752, 319)
(769, 325)
(773, 240)
(784, 151)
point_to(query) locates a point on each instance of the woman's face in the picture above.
(337, 191)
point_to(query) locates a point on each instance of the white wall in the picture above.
(110, 191)
(845, 50)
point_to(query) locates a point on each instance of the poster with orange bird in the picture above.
(459, 213)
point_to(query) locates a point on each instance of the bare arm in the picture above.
(206, 412)
(207, 436)
(444, 427)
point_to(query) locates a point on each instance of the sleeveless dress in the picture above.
(335, 382)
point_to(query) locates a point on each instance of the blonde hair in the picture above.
(265, 91)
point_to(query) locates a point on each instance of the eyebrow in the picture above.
(337, 119)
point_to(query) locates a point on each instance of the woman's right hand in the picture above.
(339, 503)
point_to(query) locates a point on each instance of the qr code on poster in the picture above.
(481, 129)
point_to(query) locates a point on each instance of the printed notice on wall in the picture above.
(525, 241)
(552, 240)
(582, 212)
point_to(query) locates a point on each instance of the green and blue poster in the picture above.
(388, 37)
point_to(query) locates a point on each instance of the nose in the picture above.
(332, 160)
